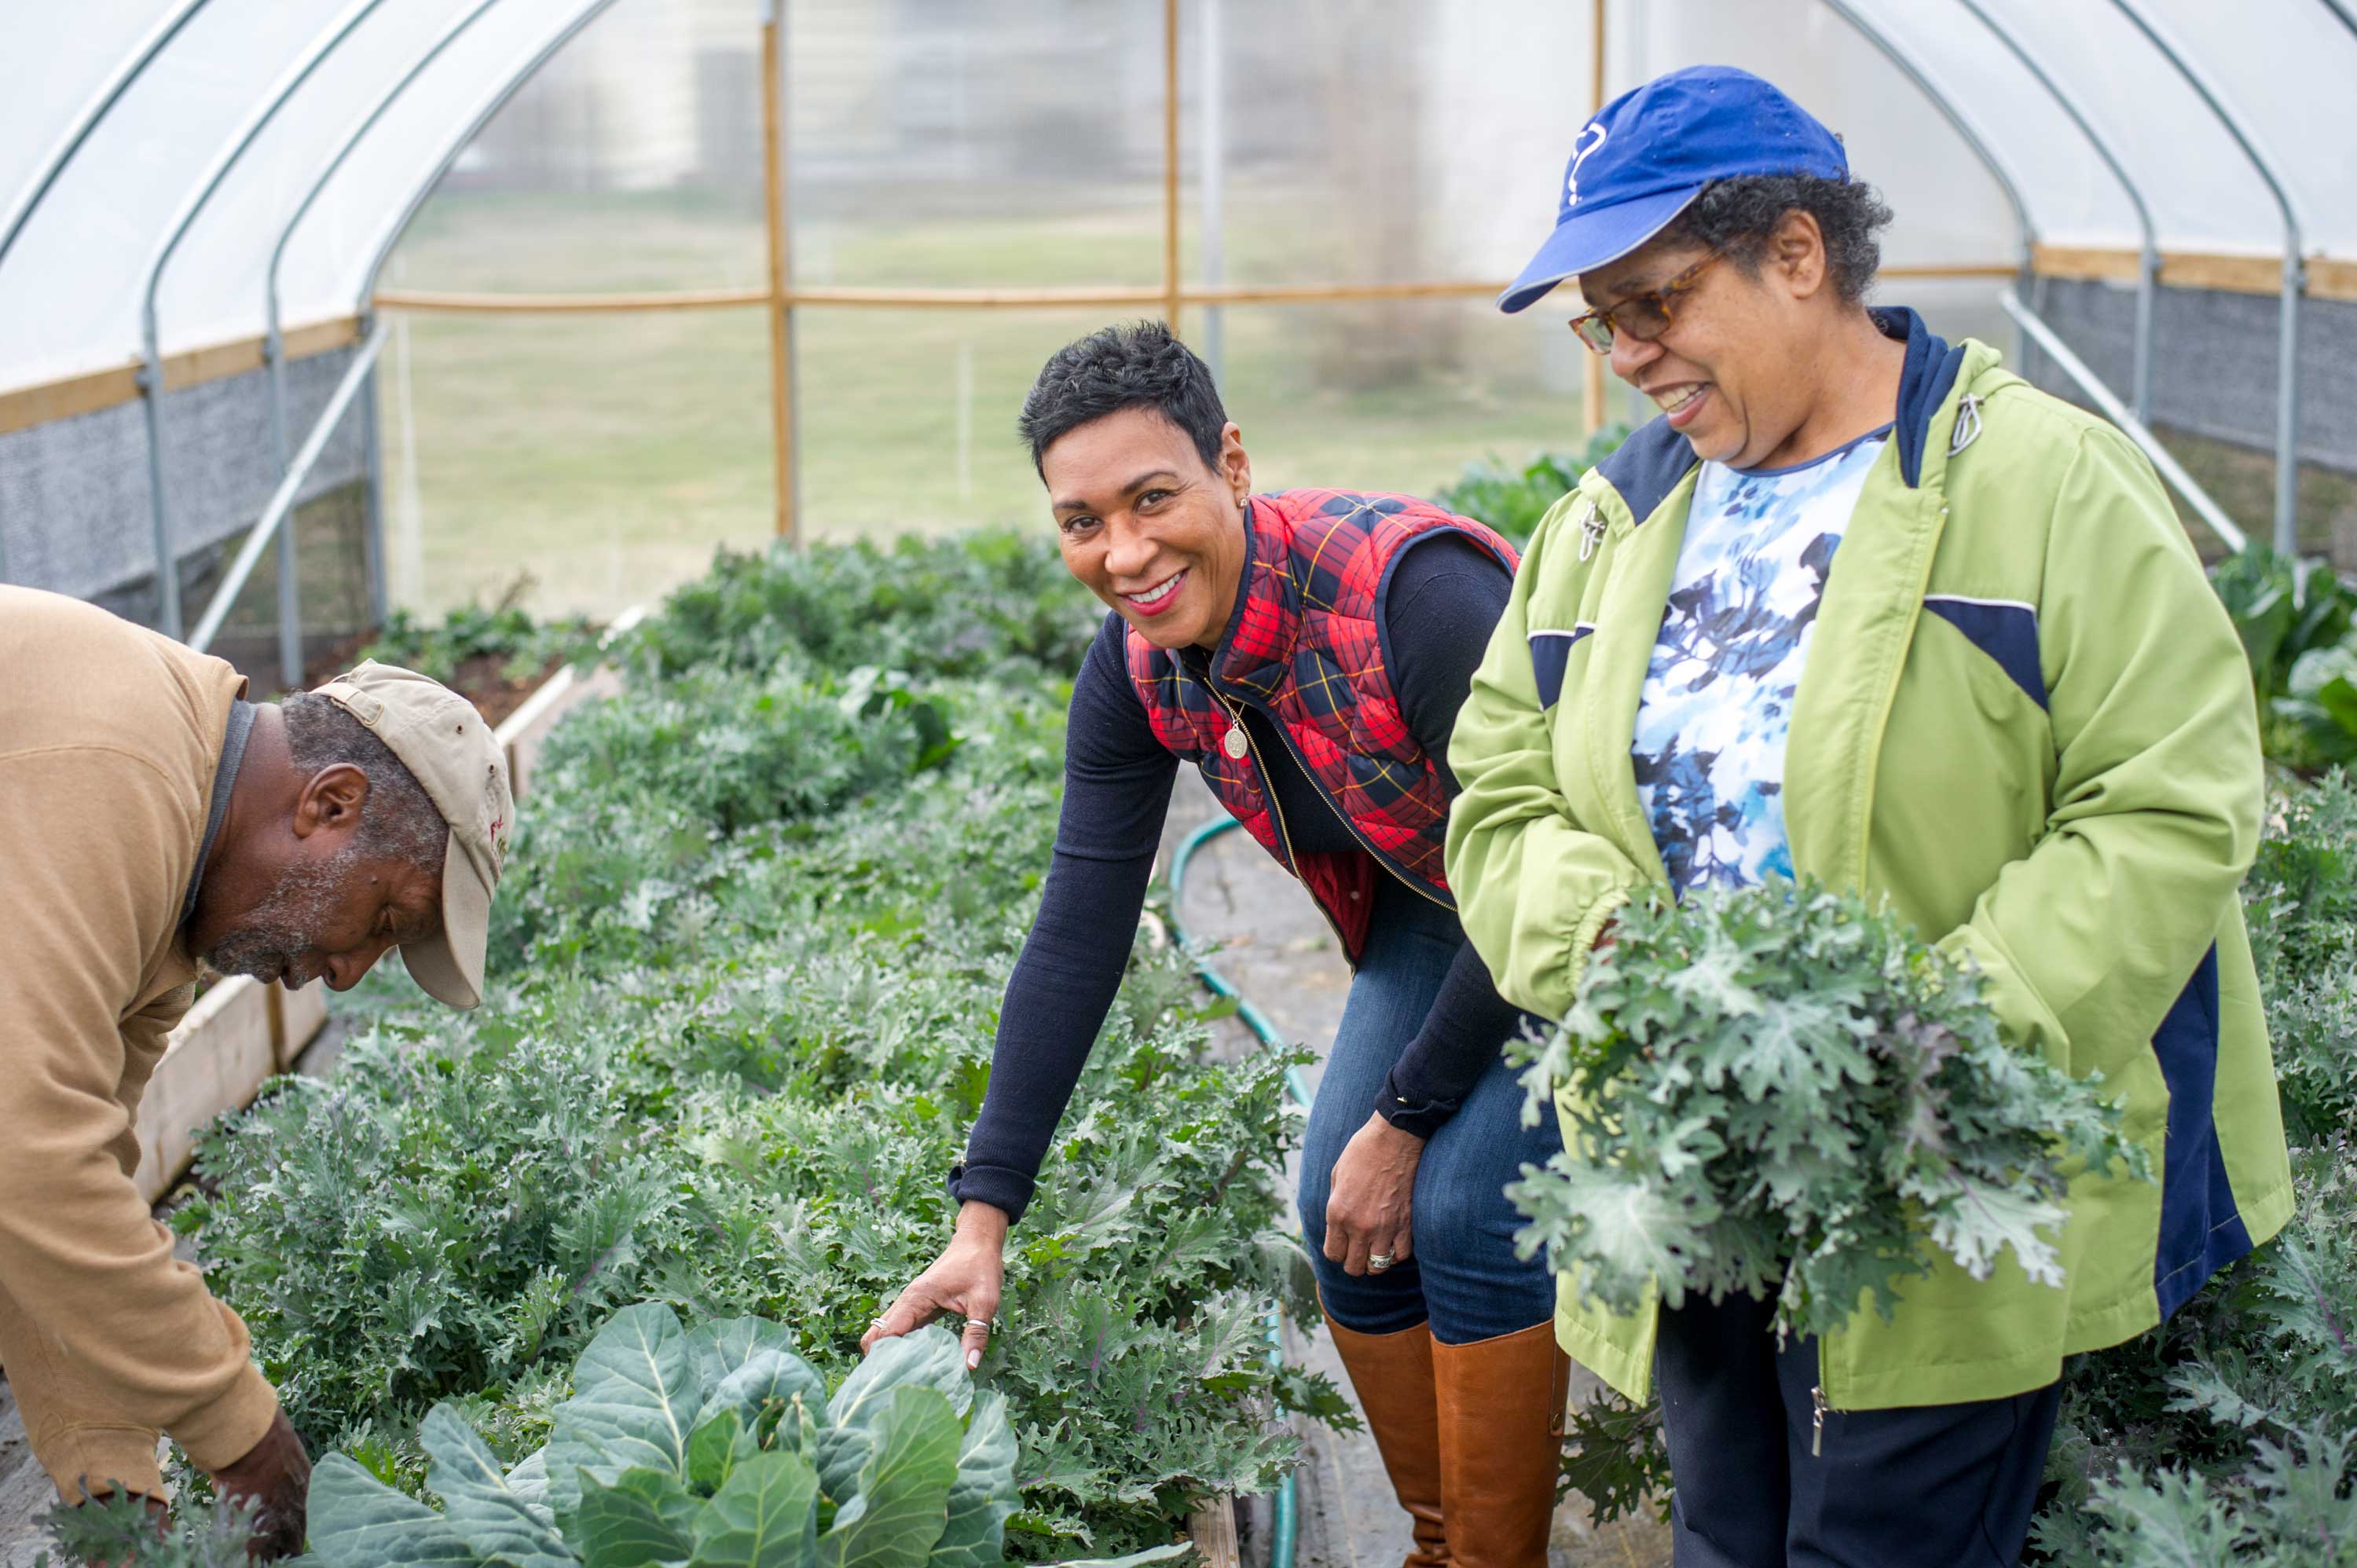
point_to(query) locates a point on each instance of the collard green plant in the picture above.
(2283, 610)
(714, 1448)
(1777, 1090)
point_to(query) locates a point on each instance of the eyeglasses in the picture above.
(1643, 316)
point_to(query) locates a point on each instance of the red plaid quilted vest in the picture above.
(1307, 650)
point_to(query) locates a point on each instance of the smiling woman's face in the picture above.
(1147, 526)
(1731, 372)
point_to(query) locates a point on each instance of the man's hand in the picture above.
(967, 1279)
(1368, 1210)
(274, 1476)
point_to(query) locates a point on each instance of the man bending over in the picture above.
(151, 820)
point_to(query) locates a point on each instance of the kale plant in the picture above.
(505, 637)
(716, 1447)
(1779, 1090)
(2229, 1434)
(993, 603)
(120, 1530)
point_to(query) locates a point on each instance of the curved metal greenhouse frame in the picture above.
(105, 128)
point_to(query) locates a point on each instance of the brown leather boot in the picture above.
(1392, 1376)
(1501, 1404)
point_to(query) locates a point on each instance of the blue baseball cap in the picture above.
(1647, 153)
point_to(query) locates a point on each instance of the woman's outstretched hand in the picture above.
(966, 1279)
(1367, 1212)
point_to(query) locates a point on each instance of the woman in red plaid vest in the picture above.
(1307, 652)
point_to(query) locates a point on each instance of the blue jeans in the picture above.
(1463, 1275)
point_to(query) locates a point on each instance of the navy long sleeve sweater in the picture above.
(1442, 599)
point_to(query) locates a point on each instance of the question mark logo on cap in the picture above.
(1580, 155)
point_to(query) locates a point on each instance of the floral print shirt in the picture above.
(1717, 699)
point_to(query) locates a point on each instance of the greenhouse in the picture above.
(1757, 961)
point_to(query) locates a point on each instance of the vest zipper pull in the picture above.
(1591, 532)
(1817, 1441)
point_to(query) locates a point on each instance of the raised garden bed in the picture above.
(745, 964)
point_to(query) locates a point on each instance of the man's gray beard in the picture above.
(284, 926)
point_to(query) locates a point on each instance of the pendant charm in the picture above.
(1233, 742)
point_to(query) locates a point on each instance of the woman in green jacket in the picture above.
(1866, 607)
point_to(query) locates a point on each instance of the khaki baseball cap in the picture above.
(444, 743)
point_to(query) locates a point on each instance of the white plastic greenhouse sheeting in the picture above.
(72, 282)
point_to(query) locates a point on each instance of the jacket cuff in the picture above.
(91, 1461)
(1411, 1111)
(222, 1432)
(1583, 938)
(995, 1185)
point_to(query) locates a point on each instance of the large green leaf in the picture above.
(717, 1349)
(1172, 1553)
(634, 1402)
(766, 1517)
(493, 1520)
(984, 1493)
(839, 1454)
(645, 1517)
(928, 1358)
(529, 1480)
(716, 1448)
(358, 1522)
(904, 1489)
(767, 1374)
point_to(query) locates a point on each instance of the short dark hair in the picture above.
(1739, 215)
(400, 820)
(1136, 364)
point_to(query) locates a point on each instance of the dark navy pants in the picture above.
(1932, 1487)
(1463, 1275)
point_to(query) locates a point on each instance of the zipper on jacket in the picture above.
(1967, 428)
(1591, 529)
(1348, 826)
(1817, 1422)
(1276, 814)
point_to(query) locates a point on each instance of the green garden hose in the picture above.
(1286, 1527)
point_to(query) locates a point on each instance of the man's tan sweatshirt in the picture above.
(110, 737)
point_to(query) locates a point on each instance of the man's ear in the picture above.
(332, 800)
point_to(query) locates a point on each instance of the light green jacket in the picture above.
(2026, 720)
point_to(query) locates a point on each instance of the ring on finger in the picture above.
(1378, 1262)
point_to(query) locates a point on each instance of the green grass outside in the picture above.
(606, 457)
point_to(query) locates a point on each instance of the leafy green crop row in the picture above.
(746, 963)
